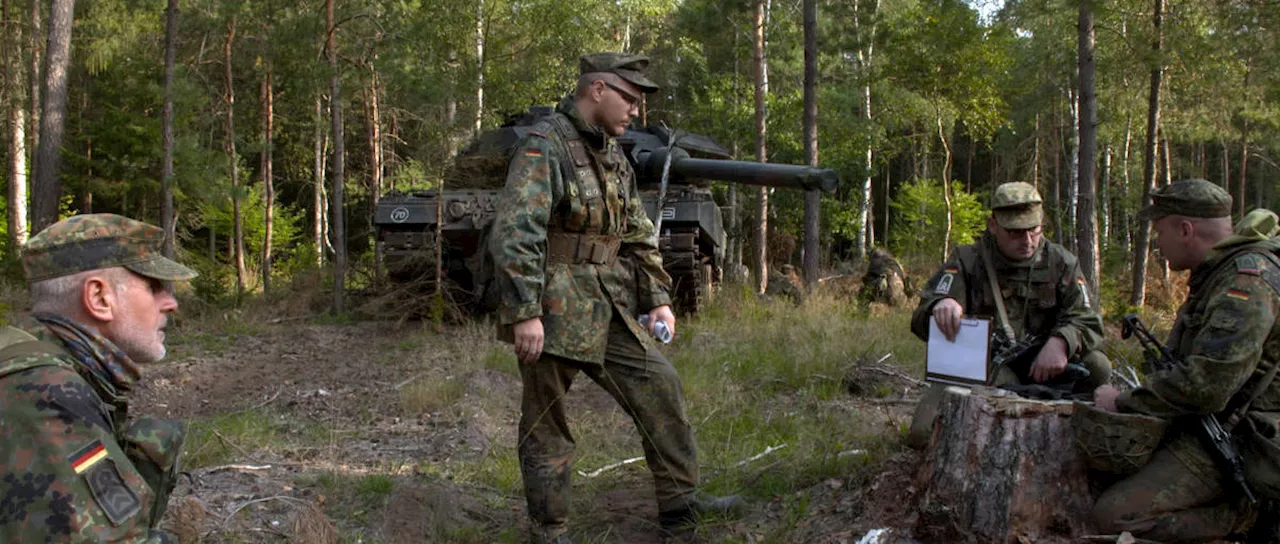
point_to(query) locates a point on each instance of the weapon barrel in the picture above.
(756, 173)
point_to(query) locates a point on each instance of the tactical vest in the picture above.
(585, 177)
(153, 445)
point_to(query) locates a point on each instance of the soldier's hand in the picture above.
(1104, 397)
(947, 313)
(662, 313)
(1051, 361)
(528, 340)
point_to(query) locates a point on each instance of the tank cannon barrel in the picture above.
(649, 170)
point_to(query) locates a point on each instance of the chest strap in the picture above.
(579, 248)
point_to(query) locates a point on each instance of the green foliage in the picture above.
(924, 219)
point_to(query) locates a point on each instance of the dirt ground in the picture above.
(339, 385)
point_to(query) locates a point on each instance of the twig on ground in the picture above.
(847, 453)
(757, 456)
(884, 358)
(895, 373)
(221, 468)
(407, 381)
(242, 505)
(230, 443)
(607, 468)
(892, 401)
(277, 320)
(268, 401)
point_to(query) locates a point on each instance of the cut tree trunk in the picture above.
(1001, 468)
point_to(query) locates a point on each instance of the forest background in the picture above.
(263, 132)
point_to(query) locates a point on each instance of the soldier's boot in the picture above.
(700, 506)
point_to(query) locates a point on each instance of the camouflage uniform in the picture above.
(885, 280)
(73, 466)
(571, 244)
(1225, 338)
(1044, 295)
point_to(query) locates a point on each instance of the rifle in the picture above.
(1021, 354)
(1214, 438)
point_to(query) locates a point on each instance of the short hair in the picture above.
(60, 295)
(585, 81)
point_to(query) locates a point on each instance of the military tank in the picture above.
(673, 171)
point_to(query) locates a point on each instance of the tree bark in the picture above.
(268, 179)
(17, 171)
(373, 136)
(1104, 198)
(47, 190)
(479, 67)
(1142, 241)
(1244, 169)
(1086, 216)
(317, 183)
(1001, 469)
(338, 233)
(946, 185)
(237, 220)
(812, 198)
(865, 238)
(167, 218)
(1069, 238)
(761, 248)
(33, 121)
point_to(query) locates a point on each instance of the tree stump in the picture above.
(1001, 468)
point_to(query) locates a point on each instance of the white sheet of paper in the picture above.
(966, 358)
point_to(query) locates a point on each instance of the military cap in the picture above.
(625, 65)
(102, 240)
(1017, 205)
(1189, 197)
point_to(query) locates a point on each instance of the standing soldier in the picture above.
(576, 260)
(1224, 341)
(1037, 286)
(73, 466)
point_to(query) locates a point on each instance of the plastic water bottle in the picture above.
(660, 330)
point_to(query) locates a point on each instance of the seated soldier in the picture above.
(1039, 286)
(73, 466)
(885, 280)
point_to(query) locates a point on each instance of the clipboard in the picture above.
(963, 362)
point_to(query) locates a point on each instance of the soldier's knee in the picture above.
(1099, 367)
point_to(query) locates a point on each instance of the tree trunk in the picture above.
(47, 190)
(1128, 219)
(946, 185)
(1087, 217)
(1244, 168)
(812, 198)
(479, 67)
(268, 180)
(338, 232)
(14, 91)
(1226, 166)
(1104, 187)
(373, 135)
(1168, 162)
(865, 49)
(760, 253)
(1069, 236)
(1001, 469)
(33, 122)
(1142, 241)
(1035, 156)
(167, 218)
(237, 221)
(317, 184)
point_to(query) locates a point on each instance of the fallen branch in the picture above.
(408, 381)
(242, 505)
(894, 373)
(221, 468)
(757, 456)
(277, 320)
(607, 468)
(892, 401)
(231, 444)
(268, 401)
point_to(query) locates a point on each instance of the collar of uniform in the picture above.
(592, 134)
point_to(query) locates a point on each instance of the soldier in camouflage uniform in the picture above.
(1224, 339)
(885, 280)
(1043, 292)
(575, 261)
(74, 467)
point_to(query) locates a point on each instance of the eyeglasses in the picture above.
(631, 99)
(1020, 233)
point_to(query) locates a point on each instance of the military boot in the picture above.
(546, 534)
(701, 505)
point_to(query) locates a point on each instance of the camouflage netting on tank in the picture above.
(1118, 444)
(477, 172)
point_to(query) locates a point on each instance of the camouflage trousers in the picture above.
(645, 385)
(1169, 502)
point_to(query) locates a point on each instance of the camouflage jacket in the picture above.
(67, 456)
(547, 192)
(1226, 337)
(1043, 295)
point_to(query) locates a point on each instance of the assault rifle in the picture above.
(1020, 355)
(1214, 438)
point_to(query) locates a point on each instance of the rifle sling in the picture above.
(997, 294)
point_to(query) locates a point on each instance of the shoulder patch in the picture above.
(537, 133)
(115, 498)
(85, 458)
(1250, 264)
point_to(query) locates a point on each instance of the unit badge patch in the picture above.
(115, 498)
(944, 284)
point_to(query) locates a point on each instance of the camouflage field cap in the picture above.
(1189, 197)
(626, 65)
(101, 240)
(1017, 206)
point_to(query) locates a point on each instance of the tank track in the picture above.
(693, 274)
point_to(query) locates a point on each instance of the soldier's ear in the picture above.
(98, 298)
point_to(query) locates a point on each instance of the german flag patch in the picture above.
(88, 456)
(533, 153)
(951, 269)
(1238, 294)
